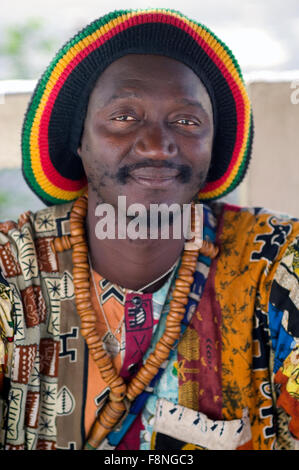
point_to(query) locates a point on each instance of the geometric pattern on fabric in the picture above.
(139, 329)
(229, 337)
(245, 288)
(30, 378)
(35, 307)
(136, 434)
(9, 266)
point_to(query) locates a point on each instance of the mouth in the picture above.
(154, 178)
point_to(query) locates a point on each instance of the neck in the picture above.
(130, 263)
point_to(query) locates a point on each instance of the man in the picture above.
(149, 343)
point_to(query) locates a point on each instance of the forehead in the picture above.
(149, 74)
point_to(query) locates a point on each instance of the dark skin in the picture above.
(148, 135)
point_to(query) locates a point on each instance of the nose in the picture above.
(155, 141)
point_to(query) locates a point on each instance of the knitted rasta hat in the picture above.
(55, 117)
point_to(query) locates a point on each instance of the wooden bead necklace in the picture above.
(120, 392)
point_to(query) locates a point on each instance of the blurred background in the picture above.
(263, 35)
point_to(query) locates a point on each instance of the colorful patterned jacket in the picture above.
(232, 383)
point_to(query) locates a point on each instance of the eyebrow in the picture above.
(189, 102)
(132, 94)
(122, 95)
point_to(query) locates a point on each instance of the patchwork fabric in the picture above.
(239, 349)
(29, 372)
(79, 401)
(284, 306)
(227, 361)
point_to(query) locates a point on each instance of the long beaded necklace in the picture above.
(121, 394)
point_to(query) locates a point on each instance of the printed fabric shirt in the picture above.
(231, 382)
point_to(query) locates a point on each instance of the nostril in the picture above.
(172, 148)
(141, 146)
(155, 143)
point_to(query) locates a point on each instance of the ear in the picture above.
(79, 151)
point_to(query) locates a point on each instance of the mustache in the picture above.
(184, 171)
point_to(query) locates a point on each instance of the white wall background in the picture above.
(263, 34)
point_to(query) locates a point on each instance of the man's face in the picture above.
(148, 132)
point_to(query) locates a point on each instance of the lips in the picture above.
(154, 177)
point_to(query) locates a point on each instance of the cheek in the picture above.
(201, 157)
(103, 141)
(200, 153)
(96, 170)
(93, 168)
(91, 158)
(101, 150)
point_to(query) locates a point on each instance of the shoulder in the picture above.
(253, 242)
(21, 242)
(262, 233)
(25, 253)
(45, 222)
(25, 246)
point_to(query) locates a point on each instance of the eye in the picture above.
(124, 118)
(187, 122)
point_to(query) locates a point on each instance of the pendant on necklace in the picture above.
(111, 344)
